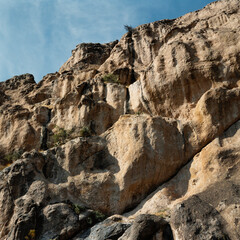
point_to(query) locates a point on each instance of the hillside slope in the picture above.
(144, 131)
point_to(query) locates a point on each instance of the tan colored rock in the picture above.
(187, 57)
(95, 104)
(15, 119)
(173, 62)
(85, 61)
(88, 55)
(176, 100)
(212, 175)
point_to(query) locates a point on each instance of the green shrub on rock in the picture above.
(60, 136)
(31, 235)
(78, 209)
(85, 132)
(13, 156)
(99, 216)
(110, 78)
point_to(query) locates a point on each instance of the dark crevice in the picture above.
(45, 132)
(132, 57)
(133, 78)
(145, 102)
(167, 233)
(126, 104)
(92, 127)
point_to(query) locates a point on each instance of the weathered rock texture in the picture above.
(147, 127)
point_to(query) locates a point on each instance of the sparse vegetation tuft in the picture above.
(61, 135)
(31, 235)
(95, 217)
(78, 209)
(164, 213)
(128, 28)
(85, 132)
(99, 216)
(138, 113)
(11, 157)
(89, 221)
(110, 78)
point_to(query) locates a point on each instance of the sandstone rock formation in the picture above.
(146, 127)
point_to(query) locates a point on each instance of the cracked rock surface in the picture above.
(134, 139)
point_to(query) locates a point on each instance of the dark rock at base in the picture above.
(111, 229)
(148, 227)
(196, 219)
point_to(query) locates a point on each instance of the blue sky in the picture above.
(37, 36)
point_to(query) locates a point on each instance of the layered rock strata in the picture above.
(147, 127)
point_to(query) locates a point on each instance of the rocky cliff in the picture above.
(134, 139)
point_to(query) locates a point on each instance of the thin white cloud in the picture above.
(22, 42)
(37, 36)
(27, 45)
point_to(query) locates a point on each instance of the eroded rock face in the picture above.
(92, 103)
(88, 56)
(148, 227)
(158, 110)
(112, 228)
(210, 185)
(190, 221)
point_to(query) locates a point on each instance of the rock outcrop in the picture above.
(146, 127)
